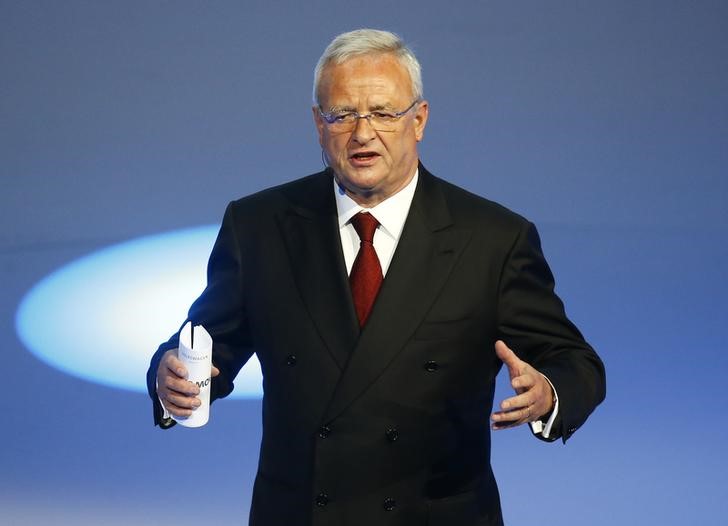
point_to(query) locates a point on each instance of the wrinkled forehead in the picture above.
(380, 76)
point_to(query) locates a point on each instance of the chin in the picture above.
(363, 183)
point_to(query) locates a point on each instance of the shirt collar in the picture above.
(391, 213)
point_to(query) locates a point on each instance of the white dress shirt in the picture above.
(391, 214)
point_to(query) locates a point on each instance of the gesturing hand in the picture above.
(534, 396)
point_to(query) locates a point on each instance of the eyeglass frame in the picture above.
(368, 116)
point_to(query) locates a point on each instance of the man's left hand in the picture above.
(534, 397)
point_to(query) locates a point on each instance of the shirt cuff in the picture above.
(541, 428)
(165, 413)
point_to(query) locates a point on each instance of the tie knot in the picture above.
(365, 224)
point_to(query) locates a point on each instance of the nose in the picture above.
(363, 131)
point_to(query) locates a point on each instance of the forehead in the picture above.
(365, 77)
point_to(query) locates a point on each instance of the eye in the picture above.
(337, 118)
(382, 116)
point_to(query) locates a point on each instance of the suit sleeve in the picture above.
(221, 310)
(532, 321)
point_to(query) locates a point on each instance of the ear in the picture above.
(319, 122)
(423, 111)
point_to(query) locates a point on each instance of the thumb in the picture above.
(214, 371)
(508, 357)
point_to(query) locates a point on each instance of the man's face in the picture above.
(371, 165)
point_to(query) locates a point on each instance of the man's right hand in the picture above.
(177, 394)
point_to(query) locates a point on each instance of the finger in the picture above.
(179, 405)
(176, 367)
(520, 414)
(175, 410)
(170, 362)
(183, 402)
(508, 419)
(215, 371)
(517, 402)
(523, 382)
(508, 357)
(180, 386)
(535, 403)
(507, 424)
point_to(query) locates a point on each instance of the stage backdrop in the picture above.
(606, 123)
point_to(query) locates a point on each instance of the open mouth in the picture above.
(364, 157)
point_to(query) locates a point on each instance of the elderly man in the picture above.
(381, 302)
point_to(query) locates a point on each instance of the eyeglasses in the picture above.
(345, 121)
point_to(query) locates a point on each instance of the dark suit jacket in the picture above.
(389, 426)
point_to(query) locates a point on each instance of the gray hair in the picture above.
(368, 42)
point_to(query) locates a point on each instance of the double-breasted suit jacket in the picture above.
(388, 425)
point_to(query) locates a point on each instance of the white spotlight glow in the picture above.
(102, 316)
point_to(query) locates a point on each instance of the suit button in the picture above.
(392, 434)
(431, 366)
(291, 360)
(325, 431)
(322, 499)
(389, 504)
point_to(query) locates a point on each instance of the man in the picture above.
(381, 302)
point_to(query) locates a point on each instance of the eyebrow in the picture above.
(341, 109)
(346, 109)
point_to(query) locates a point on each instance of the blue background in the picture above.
(606, 123)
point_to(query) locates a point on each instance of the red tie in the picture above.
(366, 273)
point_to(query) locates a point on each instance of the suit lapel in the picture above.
(426, 253)
(311, 233)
